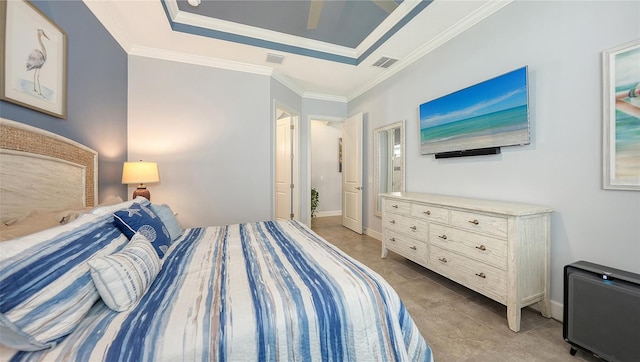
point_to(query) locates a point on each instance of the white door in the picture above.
(284, 160)
(352, 173)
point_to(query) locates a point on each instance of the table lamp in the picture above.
(140, 172)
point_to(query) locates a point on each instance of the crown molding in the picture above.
(287, 82)
(456, 29)
(324, 97)
(199, 60)
(110, 21)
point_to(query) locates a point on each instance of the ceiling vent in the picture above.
(275, 58)
(385, 62)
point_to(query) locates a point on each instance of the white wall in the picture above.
(561, 42)
(325, 176)
(210, 131)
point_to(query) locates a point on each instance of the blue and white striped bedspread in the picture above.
(266, 291)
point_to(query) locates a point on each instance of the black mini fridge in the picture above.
(602, 311)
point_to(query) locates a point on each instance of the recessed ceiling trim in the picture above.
(221, 35)
(408, 17)
(253, 32)
(398, 15)
(467, 22)
(220, 29)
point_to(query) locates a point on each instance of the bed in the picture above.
(123, 282)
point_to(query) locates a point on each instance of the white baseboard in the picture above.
(557, 310)
(328, 213)
(374, 234)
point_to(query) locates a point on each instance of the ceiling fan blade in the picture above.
(386, 5)
(315, 9)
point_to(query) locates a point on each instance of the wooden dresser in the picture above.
(499, 249)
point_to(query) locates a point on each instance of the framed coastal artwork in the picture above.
(33, 59)
(621, 117)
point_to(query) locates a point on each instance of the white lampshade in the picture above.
(140, 172)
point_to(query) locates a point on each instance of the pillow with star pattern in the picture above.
(140, 218)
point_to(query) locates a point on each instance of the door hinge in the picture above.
(291, 186)
(292, 127)
(291, 216)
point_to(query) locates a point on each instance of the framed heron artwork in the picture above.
(33, 59)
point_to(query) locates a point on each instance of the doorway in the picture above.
(325, 169)
(336, 168)
(287, 193)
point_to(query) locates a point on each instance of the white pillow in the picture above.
(122, 278)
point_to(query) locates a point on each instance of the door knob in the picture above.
(359, 188)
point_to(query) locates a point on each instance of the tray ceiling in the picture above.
(326, 48)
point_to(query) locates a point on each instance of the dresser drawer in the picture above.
(396, 207)
(408, 247)
(491, 225)
(480, 247)
(415, 228)
(473, 274)
(430, 213)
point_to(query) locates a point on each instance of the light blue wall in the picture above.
(209, 129)
(96, 95)
(561, 42)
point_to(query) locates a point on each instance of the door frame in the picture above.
(307, 193)
(353, 156)
(297, 191)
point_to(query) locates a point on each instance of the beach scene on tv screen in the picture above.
(489, 114)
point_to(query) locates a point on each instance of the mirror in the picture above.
(388, 168)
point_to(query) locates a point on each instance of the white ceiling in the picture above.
(144, 28)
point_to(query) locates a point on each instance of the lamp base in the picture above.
(142, 192)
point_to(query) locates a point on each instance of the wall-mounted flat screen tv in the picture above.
(490, 114)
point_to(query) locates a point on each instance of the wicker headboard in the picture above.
(40, 170)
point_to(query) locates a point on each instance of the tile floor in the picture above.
(459, 324)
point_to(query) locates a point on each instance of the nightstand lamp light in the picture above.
(140, 173)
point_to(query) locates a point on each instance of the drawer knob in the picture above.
(394, 206)
(392, 221)
(444, 260)
(481, 247)
(427, 212)
(481, 275)
(474, 222)
(413, 248)
(413, 228)
(443, 237)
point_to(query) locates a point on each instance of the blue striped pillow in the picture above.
(46, 287)
(122, 278)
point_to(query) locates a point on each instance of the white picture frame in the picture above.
(621, 117)
(33, 59)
